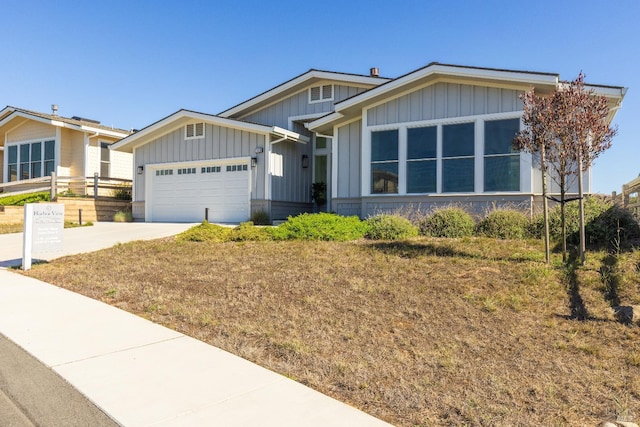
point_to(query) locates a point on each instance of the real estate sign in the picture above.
(43, 226)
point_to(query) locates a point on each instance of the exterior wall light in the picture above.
(140, 170)
(305, 161)
(254, 162)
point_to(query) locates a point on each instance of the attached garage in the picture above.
(190, 162)
(183, 192)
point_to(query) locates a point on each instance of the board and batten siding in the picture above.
(295, 183)
(349, 170)
(445, 100)
(218, 143)
(298, 105)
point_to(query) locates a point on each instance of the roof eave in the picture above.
(300, 80)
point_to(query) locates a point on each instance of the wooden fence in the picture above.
(95, 186)
(630, 197)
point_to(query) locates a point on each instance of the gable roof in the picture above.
(76, 123)
(436, 72)
(295, 85)
(182, 117)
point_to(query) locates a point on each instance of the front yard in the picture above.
(470, 331)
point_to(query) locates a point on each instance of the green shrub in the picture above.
(448, 222)
(21, 199)
(122, 216)
(389, 227)
(505, 224)
(123, 192)
(247, 231)
(320, 226)
(602, 220)
(205, 232)
(260, 217)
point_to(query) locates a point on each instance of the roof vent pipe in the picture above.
(374, 72)
(54, 109)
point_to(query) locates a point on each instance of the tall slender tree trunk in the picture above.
(545, 205)
(583, 245)
(563, 221)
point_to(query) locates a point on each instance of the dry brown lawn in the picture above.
(425, 332)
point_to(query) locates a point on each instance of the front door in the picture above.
(321, 173)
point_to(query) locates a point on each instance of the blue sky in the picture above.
(130, 63)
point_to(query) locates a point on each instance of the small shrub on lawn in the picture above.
(205, 232)
(320, 226)
(21, 199)
(247, 231)
(448, 222)
(505, 224)
(260, 217)
(122, 216)
(389, 227)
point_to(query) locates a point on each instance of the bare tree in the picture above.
(568, 129)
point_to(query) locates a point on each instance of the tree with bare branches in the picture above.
(566, 130)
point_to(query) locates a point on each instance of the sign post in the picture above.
(43, 226)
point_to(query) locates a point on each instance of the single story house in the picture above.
(438, 135)
(33, 145)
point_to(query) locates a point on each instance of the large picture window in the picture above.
(501, 161)
(458, 152)
(30, 160)
(421, 159)
(384, 161)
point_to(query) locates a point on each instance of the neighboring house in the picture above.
(436, 136)
(33, 145)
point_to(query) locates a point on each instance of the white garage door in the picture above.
(182, 193)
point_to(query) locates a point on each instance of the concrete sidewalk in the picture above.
(77, 240)
(85, 359)
(143, 374)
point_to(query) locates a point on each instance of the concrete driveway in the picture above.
(88, 239)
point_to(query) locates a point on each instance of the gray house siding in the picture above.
(294, 186)
(349, 141)
(298, 105)
(218, 143)
(445, 100)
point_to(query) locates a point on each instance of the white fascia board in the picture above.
(313, 74)
(331, 117)
(607, 91)
(17, 113)
(58, 123)
(510, 76)
(289, 134)
(134, 140)
(98, 131)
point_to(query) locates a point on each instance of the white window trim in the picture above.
(195, 127)
(100, 142)
(17, 144)
(322, 98)
(366, 190)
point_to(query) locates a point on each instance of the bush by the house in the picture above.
(505, 224)
(21, 199)
(260, 217)
(320, 226)
(123, 216)
(448, 222)
(123, 192)
(389, 227)
(205, 232)
(605, 223)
